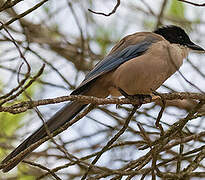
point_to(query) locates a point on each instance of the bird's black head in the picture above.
(177, 35)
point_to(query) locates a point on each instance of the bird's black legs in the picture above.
(140, 97)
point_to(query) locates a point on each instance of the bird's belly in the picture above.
(139, 78)
(143, 85)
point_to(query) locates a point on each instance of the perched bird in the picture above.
(136, 65)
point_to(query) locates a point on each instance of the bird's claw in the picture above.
(140, 97)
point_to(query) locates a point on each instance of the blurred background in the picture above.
(70, 39)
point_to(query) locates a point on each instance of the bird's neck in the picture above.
(177, 54)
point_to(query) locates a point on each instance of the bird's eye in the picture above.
(180, 37)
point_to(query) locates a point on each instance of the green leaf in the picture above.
(22, 172)
(26, 177)
(177, 9)
(9, 122)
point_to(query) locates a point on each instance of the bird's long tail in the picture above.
(60, 118)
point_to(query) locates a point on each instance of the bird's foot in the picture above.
(140, 97)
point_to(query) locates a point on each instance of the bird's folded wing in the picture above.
(114, 60)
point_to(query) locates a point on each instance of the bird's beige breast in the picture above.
(146, 73)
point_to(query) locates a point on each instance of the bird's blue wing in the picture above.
(113, 61)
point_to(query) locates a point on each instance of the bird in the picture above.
(137, 65)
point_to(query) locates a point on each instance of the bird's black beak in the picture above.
(195, 47)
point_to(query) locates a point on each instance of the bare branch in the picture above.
(195, 4)
(9, 4)
(109, 143)
(25, 105)
(112, 12)
(24, 13)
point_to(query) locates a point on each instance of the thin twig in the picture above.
(41, 141)
(109, 143)
(24, 13)
(24, 88)
(161, 14)
(27, 75)
(195, 4)
(42, 167)
(9, 4)
(112, 12)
